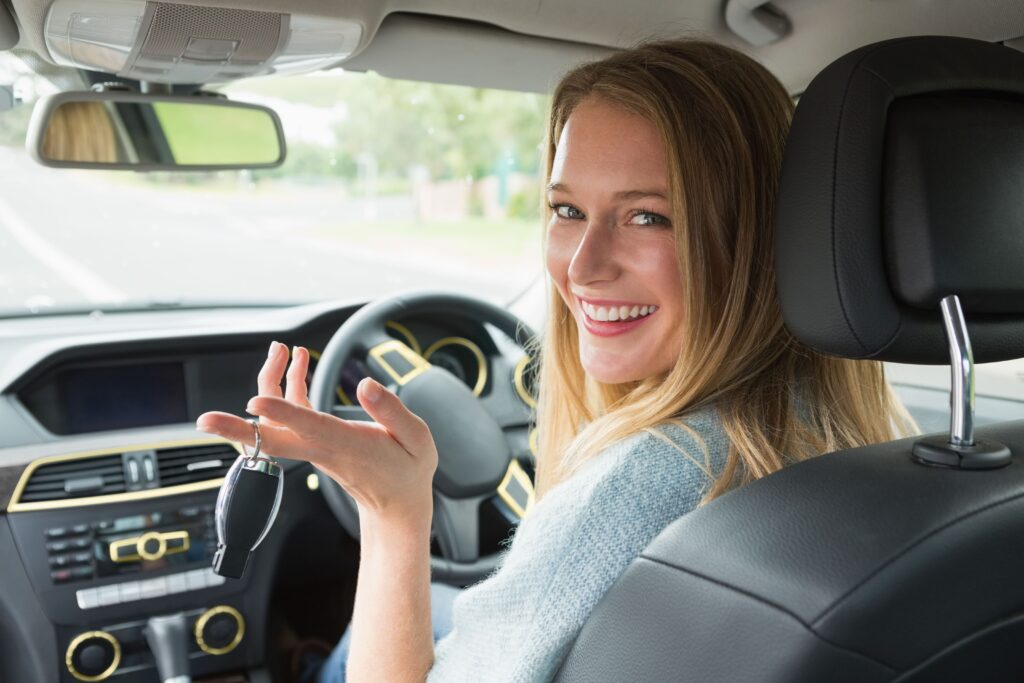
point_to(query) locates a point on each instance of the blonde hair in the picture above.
(724, 119)
(81, 131)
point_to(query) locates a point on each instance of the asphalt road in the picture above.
(76, 238)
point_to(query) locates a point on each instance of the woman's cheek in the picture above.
(559, 251)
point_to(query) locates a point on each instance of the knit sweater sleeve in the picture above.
(518, 624)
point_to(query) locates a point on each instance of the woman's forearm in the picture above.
(392, 637)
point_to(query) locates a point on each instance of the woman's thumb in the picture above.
(387, 410)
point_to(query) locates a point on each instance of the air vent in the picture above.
(78, 478)
(194, 463)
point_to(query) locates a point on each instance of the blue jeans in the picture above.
(332, 669)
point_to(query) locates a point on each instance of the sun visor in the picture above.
(169, 43)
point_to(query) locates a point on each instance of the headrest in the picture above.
(903, 182)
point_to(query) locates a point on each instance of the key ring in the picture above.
(259, 441)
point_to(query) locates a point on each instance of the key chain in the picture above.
(246, 507)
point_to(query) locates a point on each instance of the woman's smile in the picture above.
(607, 318)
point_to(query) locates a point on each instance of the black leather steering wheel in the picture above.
(474, 454)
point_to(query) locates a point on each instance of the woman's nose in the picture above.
(594, 259)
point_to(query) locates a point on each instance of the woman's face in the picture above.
(611, 245)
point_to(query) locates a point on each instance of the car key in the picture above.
(246, 507)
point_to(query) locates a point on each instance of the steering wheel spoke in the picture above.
(457, 526)
(392, 362)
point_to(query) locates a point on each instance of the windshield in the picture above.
(388, 185)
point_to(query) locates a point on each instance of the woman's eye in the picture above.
(567, 211)
(648, 218)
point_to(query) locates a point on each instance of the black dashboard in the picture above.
(107, 489)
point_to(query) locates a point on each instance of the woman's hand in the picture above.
(387, 465)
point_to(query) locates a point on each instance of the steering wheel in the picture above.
(474, 455)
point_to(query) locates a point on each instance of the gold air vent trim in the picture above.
(17, 506)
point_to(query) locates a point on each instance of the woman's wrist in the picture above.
(410, 523)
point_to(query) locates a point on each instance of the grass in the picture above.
(208, 134)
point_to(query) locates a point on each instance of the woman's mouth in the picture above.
(606, 319)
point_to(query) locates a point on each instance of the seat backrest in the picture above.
(902, 185)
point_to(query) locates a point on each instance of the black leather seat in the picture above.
(903, 184)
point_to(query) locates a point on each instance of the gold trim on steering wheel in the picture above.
(481, 361)
(519, 381)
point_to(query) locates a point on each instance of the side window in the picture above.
(924, 390)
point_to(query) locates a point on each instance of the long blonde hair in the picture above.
(724, 119)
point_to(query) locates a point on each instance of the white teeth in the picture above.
(615, 313)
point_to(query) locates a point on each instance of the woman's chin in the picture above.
(612, 372)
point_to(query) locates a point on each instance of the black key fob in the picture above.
(246, 507)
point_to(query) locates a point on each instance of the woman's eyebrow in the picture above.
(640, 194)
(624, 194)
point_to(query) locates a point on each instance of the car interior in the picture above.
(186, 182)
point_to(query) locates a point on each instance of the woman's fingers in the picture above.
(275, 440)
(296, 390)
(269, 379)
(387, 410)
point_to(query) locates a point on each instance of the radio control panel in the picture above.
(134, 544)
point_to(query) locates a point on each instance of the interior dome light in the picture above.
(168, 43)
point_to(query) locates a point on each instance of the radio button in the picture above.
(196, 579)
(153, 588)
(81, 572)
(130, 591)
(176, 583)
(109, 595)
(88, 598)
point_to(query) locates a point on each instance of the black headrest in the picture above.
(903, 182)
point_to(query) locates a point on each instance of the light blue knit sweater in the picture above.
(518, 624)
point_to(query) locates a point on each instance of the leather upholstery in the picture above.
(856, 566)
(901, 183)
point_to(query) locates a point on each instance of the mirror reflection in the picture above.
(161, 135)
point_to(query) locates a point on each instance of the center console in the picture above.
(101, 571)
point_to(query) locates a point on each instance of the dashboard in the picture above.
(106, 489)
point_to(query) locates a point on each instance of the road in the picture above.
(77, 237)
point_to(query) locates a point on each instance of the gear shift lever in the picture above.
(168, 639)
(246, 507)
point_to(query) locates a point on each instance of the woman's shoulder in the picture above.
(678, 458)
(693, 443)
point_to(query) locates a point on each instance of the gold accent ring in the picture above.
(69, 656)
(204, 619)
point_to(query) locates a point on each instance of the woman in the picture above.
(666, 378)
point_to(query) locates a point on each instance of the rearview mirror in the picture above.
(141, 132)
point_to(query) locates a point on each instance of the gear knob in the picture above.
(246, 508)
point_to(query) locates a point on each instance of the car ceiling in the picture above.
(433, 40)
